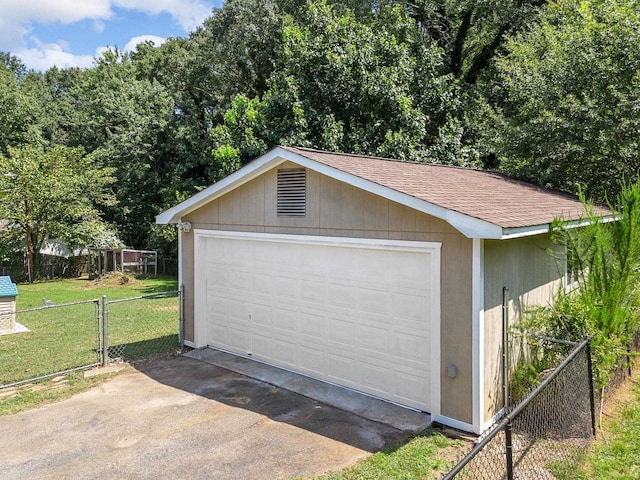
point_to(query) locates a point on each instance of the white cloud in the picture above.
(45, 56)
(63, 11)
(18, 17)
(135, 41)
(187, 13)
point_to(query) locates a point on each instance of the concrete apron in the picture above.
(370, 408)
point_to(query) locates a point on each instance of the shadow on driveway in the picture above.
(277, 404)
(185, 418)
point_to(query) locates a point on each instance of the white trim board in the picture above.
(477, 335)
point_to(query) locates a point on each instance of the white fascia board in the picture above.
(509, 233)
(247, 173)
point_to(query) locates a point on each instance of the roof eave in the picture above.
(247, 173)
(518, 232)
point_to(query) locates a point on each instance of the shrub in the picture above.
(605, 256)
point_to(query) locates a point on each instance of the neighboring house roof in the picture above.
(478, 203)
(7, 287)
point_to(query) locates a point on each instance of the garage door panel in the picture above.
(410, 388)
(340, 369)
(341, 332)
(373, 340)
(312, 291)
(238, 338)
(286, 290)
(285, 319)
(411, 348)
(285, 352)
(262, 284)
(373, 300)
(262, 316)
(355, 316)
(261, 345)
(312, 326)
(341, 294)
(312, 360)
(408, 307)
(376, 377)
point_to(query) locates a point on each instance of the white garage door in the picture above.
(359, 313)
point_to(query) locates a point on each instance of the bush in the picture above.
(606, 258)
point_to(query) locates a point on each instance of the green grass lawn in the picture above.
(75, 289)
(27, 397)
(616, 453)
(63, 338)
(423, 457)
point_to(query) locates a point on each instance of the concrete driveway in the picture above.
(186, 417)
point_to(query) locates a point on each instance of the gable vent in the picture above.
(292, 192)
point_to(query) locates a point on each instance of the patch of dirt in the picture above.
(112, 279)
(622, 394)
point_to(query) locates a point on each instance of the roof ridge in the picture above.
(410, 162)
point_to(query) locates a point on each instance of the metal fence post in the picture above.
(592, 399)
(99, 350)
(105, 332)
(509, 449)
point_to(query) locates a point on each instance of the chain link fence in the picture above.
(40, 342)
(130, 321)
(60, 267)
(545, 434)
(43, 342)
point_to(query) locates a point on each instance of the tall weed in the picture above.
(605, 256)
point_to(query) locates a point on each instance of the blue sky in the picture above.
(70, 33)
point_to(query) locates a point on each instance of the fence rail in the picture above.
(46, 341)
(543, 435)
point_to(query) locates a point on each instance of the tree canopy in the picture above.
(547, 92)
(53, 193)
(571, 98)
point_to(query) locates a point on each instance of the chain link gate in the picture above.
(138, 327)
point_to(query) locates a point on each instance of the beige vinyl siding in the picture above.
(335, 208)
(533, 276)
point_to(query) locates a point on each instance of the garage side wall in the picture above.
(533, 270)
(334, 208)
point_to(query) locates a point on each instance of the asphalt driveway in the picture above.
(186, 418)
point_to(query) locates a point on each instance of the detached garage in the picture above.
(381, 276)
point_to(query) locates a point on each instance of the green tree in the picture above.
(571, 90)
(53, 193)
(19, 110)
(372, 87)
(123, 124)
